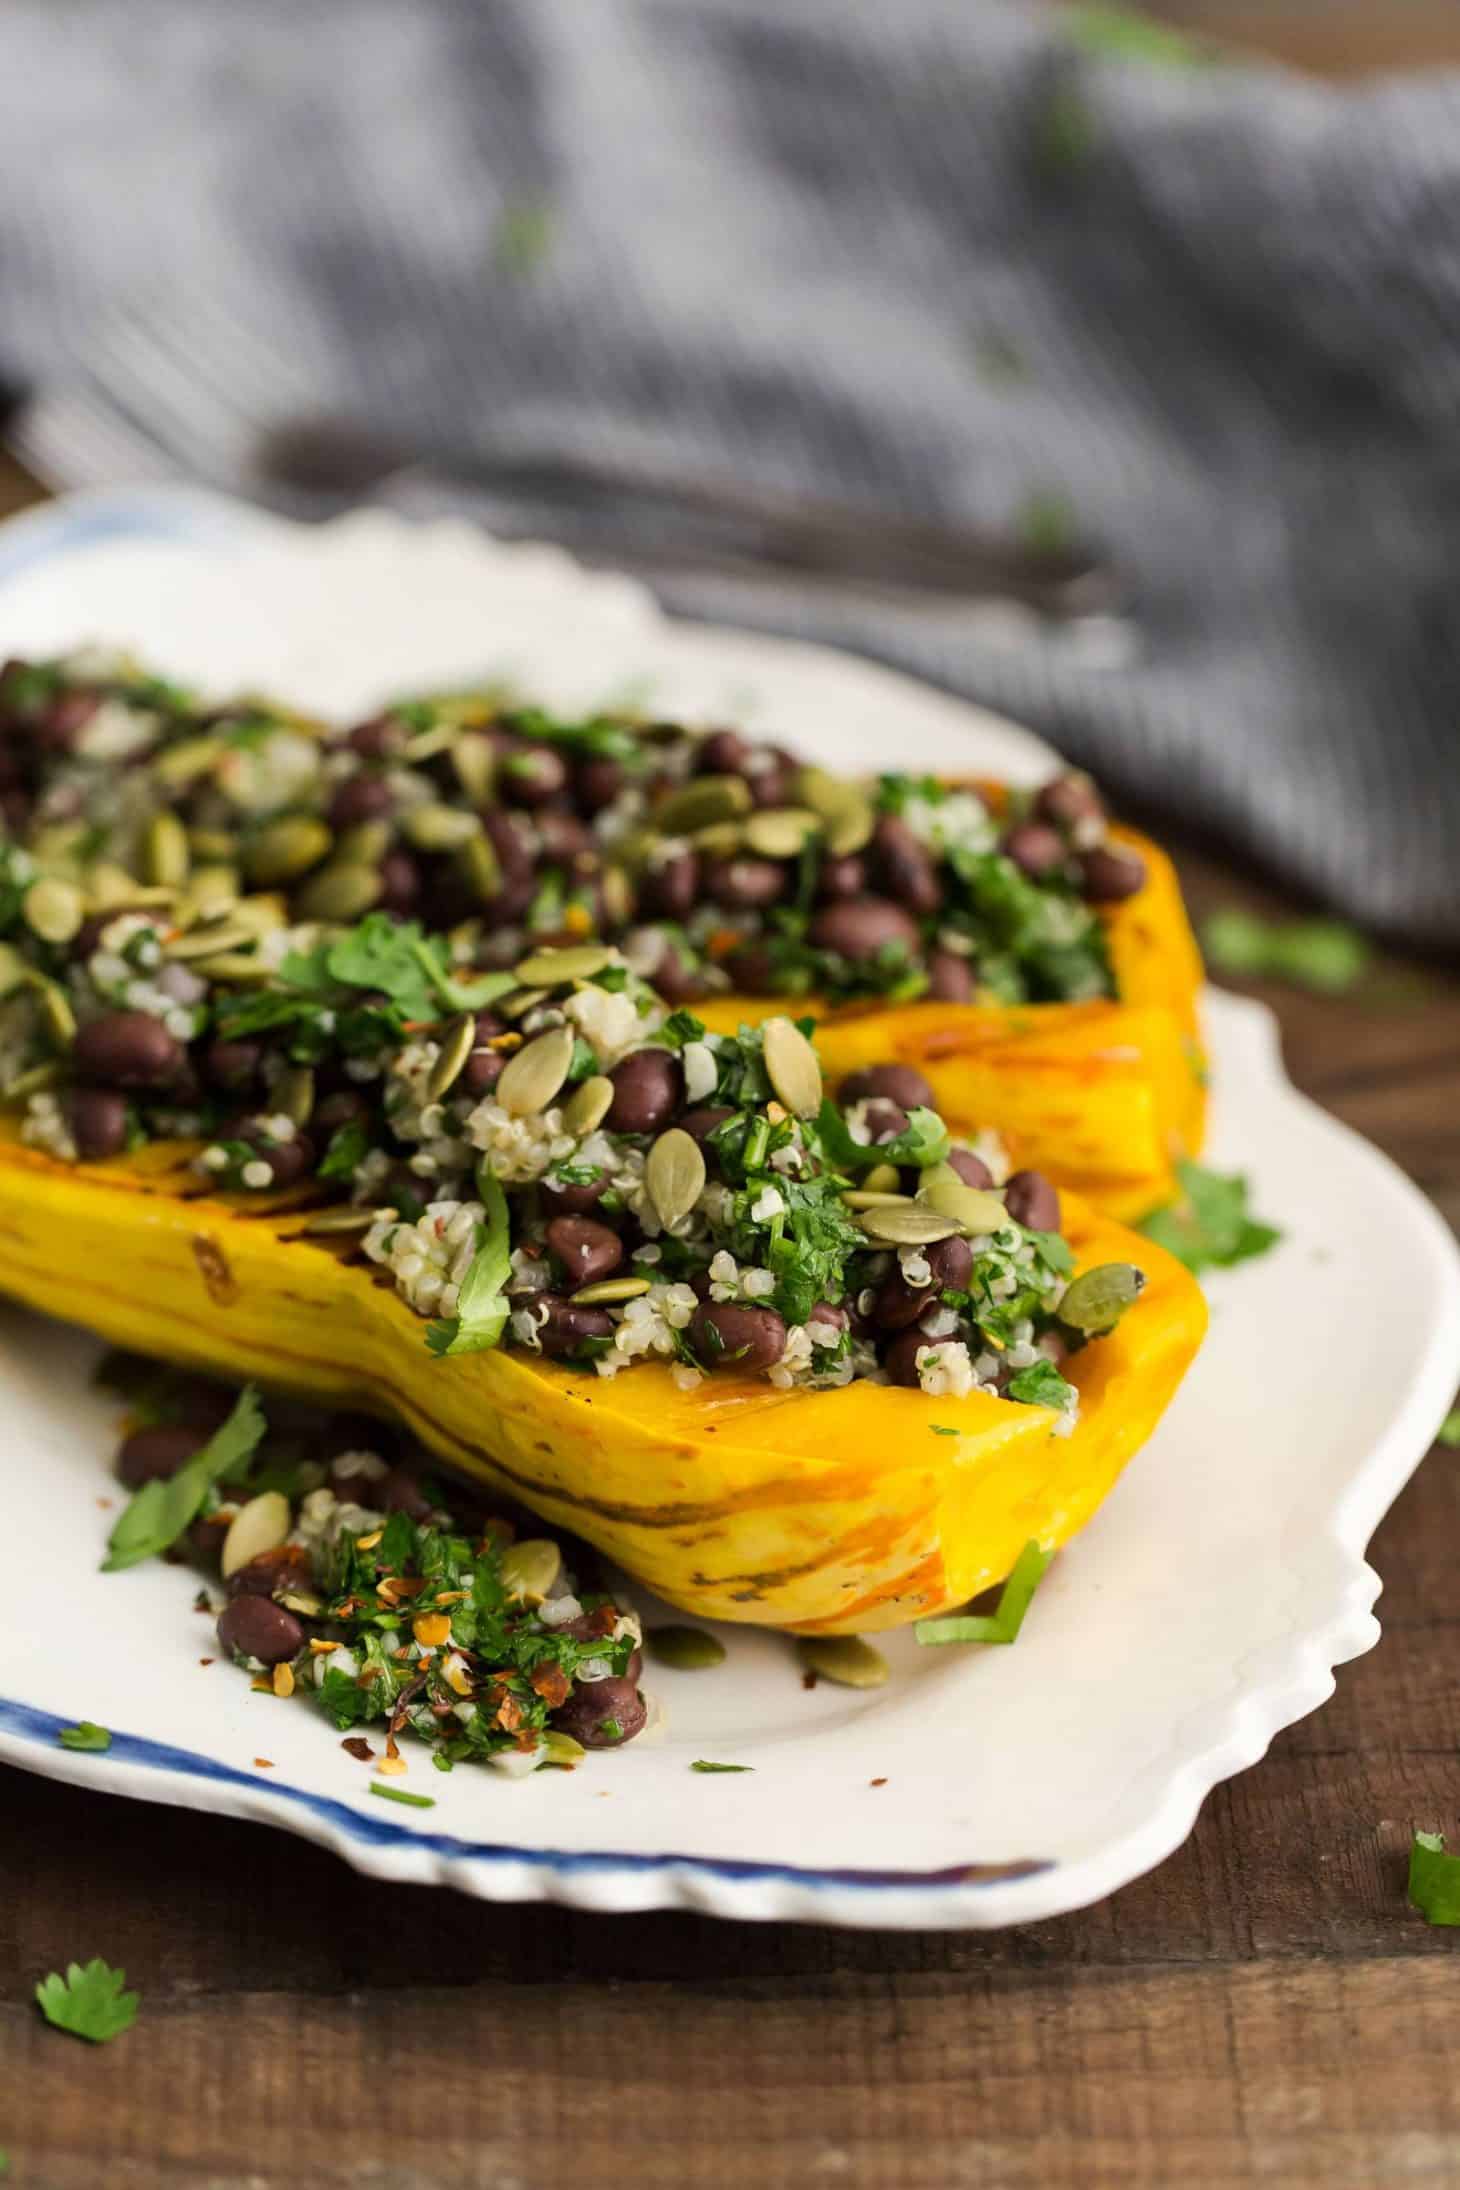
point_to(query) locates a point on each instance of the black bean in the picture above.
(531, 775)
(950, 1261)
(829, 1311)
(1107, 876)
(400, 882)
(97, 1117)
(157, 1452)
(743, 1339)
(743, 882)
(567, 1326)
(752, 968)
(347, 1106)
(901, 1084)
(704, 1119)
(481, 1072)
(256, 1627)
(597, 783)
(840, 875)
(1067, 800)
(771, 787)
(905, 865)
(273, 1572)
(127, 1049)
(602, 1714)
(950, 977)
(677, 982)
(1031, 1200)
(671, 885)
(398, 1491)
(586, 1249)
(860, 927)
(360, 798)
(970, 1168)
(380, 738)
(572, 1201)
(896, 1304)
(289, 1160)
(506, 835)
(900, 1358)
(648, 1088)
(1035, 848)
(722, 753)
(235, 1067)
(65, 719)
(563, 838)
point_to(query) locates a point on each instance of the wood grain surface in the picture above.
(1262, 2009)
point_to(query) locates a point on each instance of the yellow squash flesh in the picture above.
(829, 1512)
(1104, 1097)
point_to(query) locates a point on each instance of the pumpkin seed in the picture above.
(208, 939)
(617, 895)
(188, 759)
(435, 827)
(14, 971)
(348, 1217)
(721, 840)
(480, 868)
(165, 854)
(674, 1173)
(781, 832)
(108, 884)
(823, 792)
(457, 1044)
(212, 843)
(262, 912)
(212, 890)
(475, 760)
(531, 1567)
(535, 1074)
(32, 1082)
(522, 1002)
(851, 829)
(53, 909)
(339, 893)
(261, 1525)
(843, 1658)
(791, 1067)
(881, 1179)
(875, 1197)
(973, 1208)
(364, 845)
(608, 1290)
(1096, 1300)
(551, 969)
(57, 1017)
(426, 744)
(236, 969)
(696, 805)
(906, 1225)
(302, 1600)
(685, 1649)
(294, 1093)
(560, 1749)
(284, 850)
(588, 1105)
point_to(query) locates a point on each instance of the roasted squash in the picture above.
(835, 1511)
(1104, 1097)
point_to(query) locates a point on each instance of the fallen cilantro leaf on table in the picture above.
(1326, 955)
(1448, 1433)
(1002, 1625)
(702, 1764)
(402, 1794)
(1434, 1879)
(88, 2002)
(85, 1735)
(158, 1513)
(1210, 1227)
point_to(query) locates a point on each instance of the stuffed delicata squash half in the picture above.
(805, 1360)
(1029, 959)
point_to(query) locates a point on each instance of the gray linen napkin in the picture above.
(943, 256)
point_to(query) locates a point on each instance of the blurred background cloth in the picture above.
(1016, 270)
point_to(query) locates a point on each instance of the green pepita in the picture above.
(588, 1105)
(608, 1291)
(561, 1750)
(302, 1600)
(260, 1526)
(1096, 1300)
(57, 1017)
(522, 1003)
(235, 969)
(284, 850)
(363, 845)
(617, 894)
(534, 1075)
(906, 1225)
(212, 890)
(166, 857)
(792, 1068)
(823, 792)
(185, 761)
(851, 829)
(262, 913)
(435, 827)
(210, 844)
(34, 1081)
(876, 1197)
(426, 744)
(696, 805)
(346, 1218)
(973, 1208)
(674, 1174)
(576, 962)
(15, 971)
(294, 1094)
(782, 832)
(108, 884)
(881, 1179)
(339, 893)
(684, 1649)
(531, 1568)
(208, 939)
(53, 909)
(720, 840)
(846, 1659)
(457, 1044)
(475, 761)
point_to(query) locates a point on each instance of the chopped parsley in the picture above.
(1434, 1879)
(703, 1764)
(1210, 1226)
(156, 1515)
(481, 1305)
(1041, 1385)
(943, 1429)
(89, 2002)
(85, 1736)
(1002, 1625)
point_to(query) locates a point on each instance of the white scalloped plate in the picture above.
(1203, 1609)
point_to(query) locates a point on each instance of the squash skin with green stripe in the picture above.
(828, 1512)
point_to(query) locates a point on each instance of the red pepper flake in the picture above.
(265, 1764)
(207, 1661)
(106, 1504)
(876, 1783)
(808, 1679)
(552, 1684)
(358, 1746)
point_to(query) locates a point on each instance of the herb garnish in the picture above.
(702, 1764)
(1210, 1227)
(1448, 1433)
(88, 2002)
(1325, 955)
(1434, 1879)
(158, 1513)
(85, 1736)
(1002, 1625)
(481, 1305)
(402, 1794)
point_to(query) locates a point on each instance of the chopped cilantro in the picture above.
(1041, 1385)
(349, 1145)
(943, 1429)
(1325, 955)
(158, 1513)
(1002, 1625)
(481, 1304)
(1434, 1879)
(88, 2002)
(401, 1794)
(85, 1736)
(1210, 1227)
(1448, 1433)
(395, 958)
(703, 1764)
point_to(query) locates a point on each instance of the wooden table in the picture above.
(1261, 2009)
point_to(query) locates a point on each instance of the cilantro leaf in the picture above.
(1002, 1625)
(88, 2002)
(401, 1794)
(924, 1141)
(1434, 1879)
(481, 1304)
(942, 1429)
(1448, 1433)
(159, 1512)
(396, 959)
(1210, 1226)
(85, 1736)
(1041, 1385)
(1325, 955)
(349, 1145)
(702, 1764)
